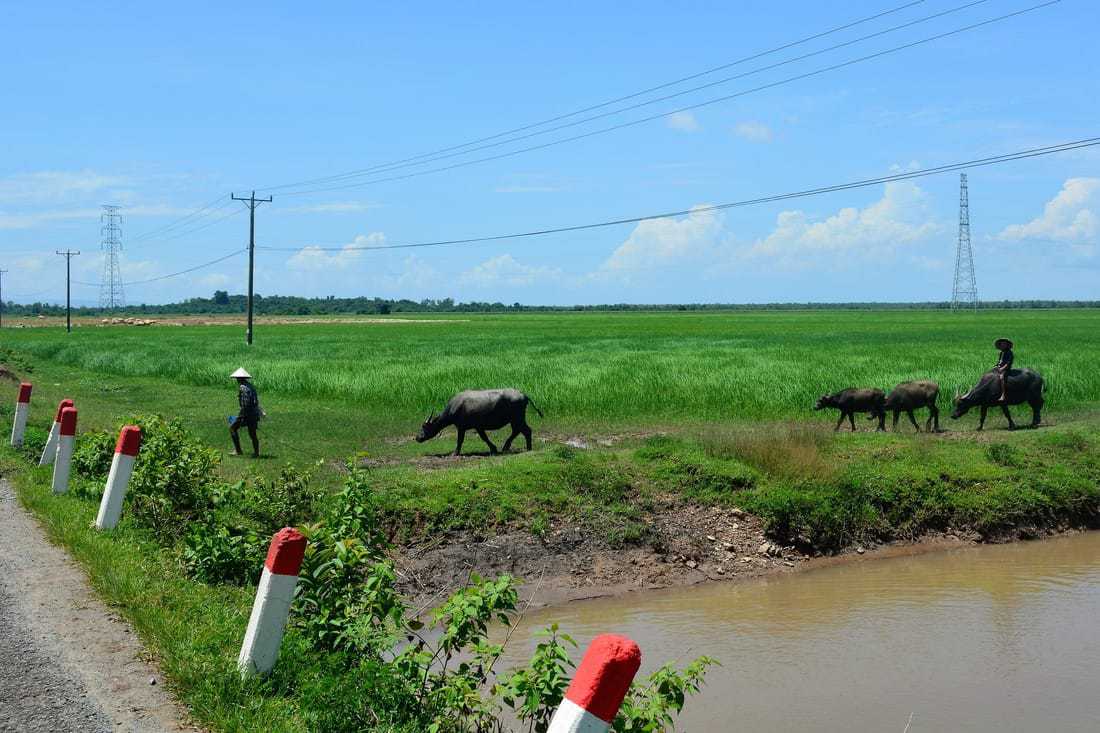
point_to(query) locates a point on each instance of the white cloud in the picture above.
(39, 218)
(1071, 216)
(879, 231)
(913, 165)
(683, 121)
(42, 186)
(658, 242)
(756, 132)
(313, 258)
(505, 270)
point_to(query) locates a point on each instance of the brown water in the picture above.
(998, 638)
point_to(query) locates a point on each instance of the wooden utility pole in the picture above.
(68, 255)
(251, 202)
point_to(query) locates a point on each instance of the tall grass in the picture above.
(608, 367)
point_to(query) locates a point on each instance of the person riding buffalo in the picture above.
(249, 415)
(1004, 363)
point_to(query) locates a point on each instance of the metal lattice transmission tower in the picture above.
(965, 292)
(110, 291)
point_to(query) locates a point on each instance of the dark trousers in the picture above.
(251, 425)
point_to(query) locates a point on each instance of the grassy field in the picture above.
(675, 408)
(598, 368)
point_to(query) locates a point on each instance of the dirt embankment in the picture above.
(688, 545)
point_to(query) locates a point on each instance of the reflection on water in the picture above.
(1003, 638)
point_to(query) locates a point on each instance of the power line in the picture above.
(171, 274)
(423, 160)
(950, 167)
(716, 100)
(606, 103)
(251, 202)
(181, 220)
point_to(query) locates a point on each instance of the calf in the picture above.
(852, 400)
(909, 396)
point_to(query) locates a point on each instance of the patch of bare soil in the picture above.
(570, 561)
(7, 374)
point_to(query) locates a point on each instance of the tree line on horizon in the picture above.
(222, 303)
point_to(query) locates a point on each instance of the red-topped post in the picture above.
(66, 442)
(264, 634)
(49, 452)
(599, 687)
(22, 407)
(126, 450)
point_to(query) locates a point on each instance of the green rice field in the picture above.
(589, 368)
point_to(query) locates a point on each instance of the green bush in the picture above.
(214, 553)
(34, 440)
(93, 454)
(172, 478)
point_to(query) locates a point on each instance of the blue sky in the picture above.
(164, 109)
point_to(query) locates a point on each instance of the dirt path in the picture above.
(68, 663)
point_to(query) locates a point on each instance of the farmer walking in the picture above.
(1004, 363)
(249, 415)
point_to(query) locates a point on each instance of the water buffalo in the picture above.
(1021, 385)
(852, 400)
(909, 396)
(481, 410)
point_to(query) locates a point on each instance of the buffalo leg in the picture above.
(894, 427)
(839, 422)
(981, 419)
(882, 421)
(933, 418)
(1036, 407)
(1008, 416)
(482, 434)
(852, 420)
(527, 436)
(913, 420)
(508, 443)
(458, 446)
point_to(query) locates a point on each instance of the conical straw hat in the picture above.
(240, 373)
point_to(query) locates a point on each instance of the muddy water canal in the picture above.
(987, 638)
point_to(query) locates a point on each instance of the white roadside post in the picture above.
(599, 686)
(22, 406)
(126, 450)
(50, 451)
(66, 441)
(264, 635)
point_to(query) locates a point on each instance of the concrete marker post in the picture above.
(599, 686)
(264, 635)
(22, 407)
(50, 451)
(66, 441)
(126, 450)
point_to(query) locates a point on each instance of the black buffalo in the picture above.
(1021, 385)
(481, 410)
(852, 400)
(909, 396)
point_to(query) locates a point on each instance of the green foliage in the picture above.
(215, 553)
(536, 691)
(34, 441)
(687, 468)
(1003, 454)
(171, 479)
(92, 456)
(653, 705)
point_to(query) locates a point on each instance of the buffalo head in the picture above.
(962, 405)
(825, 400)
(428, 430)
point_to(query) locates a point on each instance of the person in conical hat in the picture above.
(250, 412)
(1004, 363)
